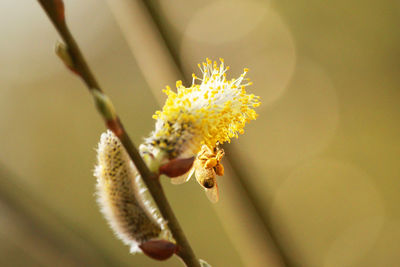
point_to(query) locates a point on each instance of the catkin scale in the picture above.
(120, 195)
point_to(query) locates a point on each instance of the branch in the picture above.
(73, 58)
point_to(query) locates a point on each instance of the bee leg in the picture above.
(219, 169)
(220, 155)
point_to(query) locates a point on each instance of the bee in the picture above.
(206, 167)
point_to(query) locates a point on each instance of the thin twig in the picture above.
(55, 11)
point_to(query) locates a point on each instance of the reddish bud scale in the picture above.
(176, 167)
(158, 249)
(115, 126)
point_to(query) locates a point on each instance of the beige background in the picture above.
(322, 159)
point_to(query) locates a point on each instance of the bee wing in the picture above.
(213, 194)
(183, 178)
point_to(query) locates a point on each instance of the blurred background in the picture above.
(314, 181)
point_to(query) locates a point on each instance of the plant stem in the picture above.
(55, 11)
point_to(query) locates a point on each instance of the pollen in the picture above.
(212, 110)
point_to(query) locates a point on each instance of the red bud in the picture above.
(176, 167)
(158, 249)
(115, 126)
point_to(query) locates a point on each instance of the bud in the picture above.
(158, 249)
(62, 52)
(104, 105)
(176, 167)
(125, 202)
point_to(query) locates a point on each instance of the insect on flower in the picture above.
(206, 167)
(195, 120)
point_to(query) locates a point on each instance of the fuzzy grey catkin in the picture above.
(122, 195)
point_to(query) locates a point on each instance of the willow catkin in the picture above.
(122, 195)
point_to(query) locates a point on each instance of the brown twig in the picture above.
(74, 59)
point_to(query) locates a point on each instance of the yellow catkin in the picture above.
(121, 195)
(209, 112)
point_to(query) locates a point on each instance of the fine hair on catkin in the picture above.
(122, 195)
